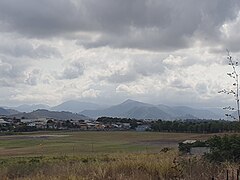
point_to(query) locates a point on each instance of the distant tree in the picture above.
(235, 91)
(50, 121)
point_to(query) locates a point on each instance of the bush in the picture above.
(226, 148)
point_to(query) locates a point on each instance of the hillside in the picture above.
(29, 108)
(139, 110)
(5, 112)
(42, 113)
(75, 106)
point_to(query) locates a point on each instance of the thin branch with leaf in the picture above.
(235, 91)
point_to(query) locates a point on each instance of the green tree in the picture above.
(226, 148)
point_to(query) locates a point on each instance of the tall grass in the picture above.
(118, 166)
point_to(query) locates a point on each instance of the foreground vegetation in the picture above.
(163, 165)
(106, 155)
(221, 148)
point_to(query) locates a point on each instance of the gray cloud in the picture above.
(201, 88)
(151, 24)
(179, 84)
(161, 25)
(147, 66)
(33, 77)
(119, 77)
(44, 51)
(5, 83)
(131, 70)
(8, 69)
(74, 70)
(12, 71)
(39, 18)
(23, 48)
(157, 50)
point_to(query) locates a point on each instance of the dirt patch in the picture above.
(50, 135)
(162, 143)
(44, 136)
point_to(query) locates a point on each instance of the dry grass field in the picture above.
(73, 143)
(102, 155)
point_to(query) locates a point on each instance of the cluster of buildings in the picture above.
(13, 124)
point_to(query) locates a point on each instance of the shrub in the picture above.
(226, 148)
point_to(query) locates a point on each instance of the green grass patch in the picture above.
(52, 143)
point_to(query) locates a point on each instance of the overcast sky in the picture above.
(156, 51)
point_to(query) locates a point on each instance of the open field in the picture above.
(102, 155)
(73, 143)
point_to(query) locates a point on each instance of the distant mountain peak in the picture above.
(130, 101)
(75, 106)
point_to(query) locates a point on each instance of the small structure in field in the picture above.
(199, 150)
(194, 147)
(141, 128)
(189, 141)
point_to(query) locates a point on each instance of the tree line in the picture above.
(196, 126)
(190, 125)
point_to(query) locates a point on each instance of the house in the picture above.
(3, 122)
(141, 128)
(40, 123)
(90, 124)
(32, 124)
(83, 126)
(126, 125)
(99, 126)
(115, 126)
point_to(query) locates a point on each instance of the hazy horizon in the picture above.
(106, 105)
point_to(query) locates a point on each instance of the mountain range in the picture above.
(6, 112)
(43, 113)
(28, 108)
(127, 109)
(71, 106)
(139, 110)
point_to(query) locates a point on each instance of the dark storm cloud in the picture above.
(143, 24)
(39, 18)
